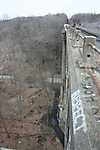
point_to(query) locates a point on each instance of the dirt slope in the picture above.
(30, 53)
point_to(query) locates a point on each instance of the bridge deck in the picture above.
(85, 95)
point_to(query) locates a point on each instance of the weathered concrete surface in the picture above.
(84, 99)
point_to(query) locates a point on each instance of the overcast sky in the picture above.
(41, 7)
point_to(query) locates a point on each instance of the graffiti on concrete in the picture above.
(78, 114)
